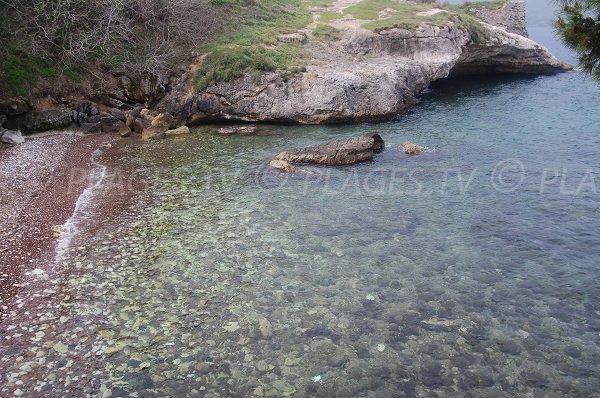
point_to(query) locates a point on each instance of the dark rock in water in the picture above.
(90, 128)
(244, 130)
(11, 137)
(336, 153)
(41, 121)
(14, 106)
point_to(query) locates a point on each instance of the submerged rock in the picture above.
(244, 130)
(336, 153)
(284, 166)
(410, 148)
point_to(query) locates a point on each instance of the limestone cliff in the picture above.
(364, 75)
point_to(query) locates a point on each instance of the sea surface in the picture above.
(469, 270)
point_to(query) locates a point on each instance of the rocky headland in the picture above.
(361, 70)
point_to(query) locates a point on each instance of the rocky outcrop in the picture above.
(333, 153)
(364, 76)
(39, 121)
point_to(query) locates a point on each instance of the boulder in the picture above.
(90, 128)
(336, 153)
(148, 115)
(131, 117)
(41, 121)
(119, 114)
(110, 124)
(93, 119)
(178, 131)
(410, 148)
(11, 137)
(87, 108)
(159, 126)
(244, 130)
(138, 126)
(14, 106)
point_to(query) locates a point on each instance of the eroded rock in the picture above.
(336, 153)
(158, 127)
(41, 121)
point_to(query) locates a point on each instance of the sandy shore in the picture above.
(41, 181)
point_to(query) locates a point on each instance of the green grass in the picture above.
(253, 48)
(325, 32)
(22, 71)
(328, 16)
(226, 63)
(404, 15)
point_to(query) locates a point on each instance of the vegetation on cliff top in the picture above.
(251, 46)
(48, 39)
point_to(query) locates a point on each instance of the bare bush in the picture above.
(145, 35)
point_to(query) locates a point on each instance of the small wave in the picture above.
(70, 227)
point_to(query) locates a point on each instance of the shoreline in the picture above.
(43, 180)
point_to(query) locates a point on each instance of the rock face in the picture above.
(512, 16)
(14, 106)
(365, 75)
(41, 121)
(333, 153)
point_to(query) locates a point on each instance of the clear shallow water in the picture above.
(470, 270)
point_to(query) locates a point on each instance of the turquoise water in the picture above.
(469, 270)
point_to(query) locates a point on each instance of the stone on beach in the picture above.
(11, 137)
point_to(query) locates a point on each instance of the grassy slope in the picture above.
(252, 46)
